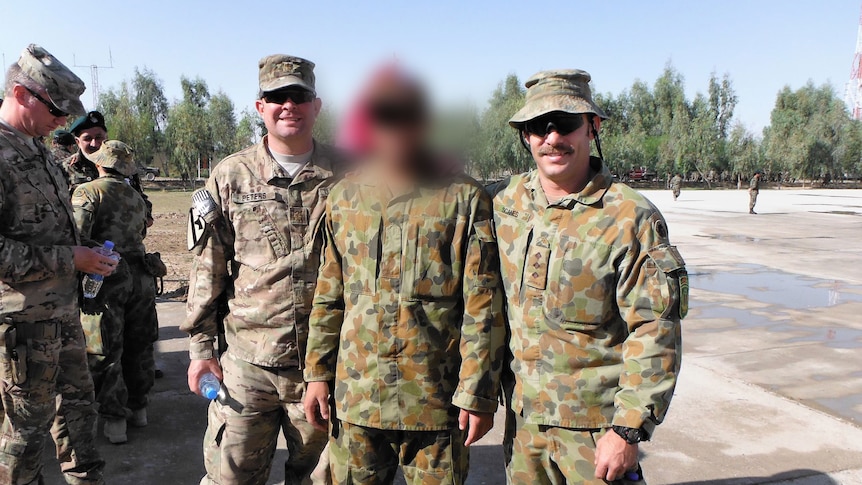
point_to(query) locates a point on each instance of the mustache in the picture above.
(557, 149)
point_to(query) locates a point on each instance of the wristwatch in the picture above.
(632, 436)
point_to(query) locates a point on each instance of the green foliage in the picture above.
(497, 150)
(325, 126)
(811, 134)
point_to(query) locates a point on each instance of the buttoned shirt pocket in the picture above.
(438, 247)
(360, 256)
(42, 213)
(260, 233)
(579, 294)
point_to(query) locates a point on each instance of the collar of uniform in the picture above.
(21, 142)
(589, 195)
(320, 165)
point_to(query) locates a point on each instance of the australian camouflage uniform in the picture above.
(79, 170)
(676, 186)
(753, 192)
(42, 353)
(595, 293)
(120, 323)
(257, 235)
(406, 326)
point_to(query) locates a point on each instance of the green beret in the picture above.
(89, 120)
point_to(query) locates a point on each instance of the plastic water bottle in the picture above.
(209, 385)
(93, 282)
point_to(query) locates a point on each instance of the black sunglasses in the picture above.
(559, 122)
(296, 96)
(54, 110)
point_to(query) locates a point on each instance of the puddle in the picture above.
(778, 288)
(790, 310)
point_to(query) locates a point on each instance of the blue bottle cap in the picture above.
(211, 393)
(109, 245)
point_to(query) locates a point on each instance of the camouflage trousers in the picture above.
(371, 456)
(550, 455)
(752, 199)
(54, 389)
(121, 325)
(676, 191)
(241, 435)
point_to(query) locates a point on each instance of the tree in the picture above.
(498, 150)
(221, 117)
(811, 134)
(249, 129)
(325, 126)
(188, 131)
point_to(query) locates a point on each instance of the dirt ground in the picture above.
(168, 237)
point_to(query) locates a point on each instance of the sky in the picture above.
(463, 49)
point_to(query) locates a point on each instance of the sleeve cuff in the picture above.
(469, 402)
(202, 349)
(633, 418)
(317, 373)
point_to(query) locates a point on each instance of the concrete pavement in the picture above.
(771, 386)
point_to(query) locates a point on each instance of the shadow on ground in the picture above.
(792, 477)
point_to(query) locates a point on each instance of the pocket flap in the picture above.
(666, 258)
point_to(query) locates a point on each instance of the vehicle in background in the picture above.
(149, 173)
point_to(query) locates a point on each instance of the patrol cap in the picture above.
(280, 71)
(116, 155)
(64, 138)
(89, 120)
(566, 90)
(63, 86)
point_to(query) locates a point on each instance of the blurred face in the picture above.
(560, 144)
(91, 139)
(397, 130)
(289, 113)
(39, 119)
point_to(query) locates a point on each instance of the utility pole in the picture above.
(853, 93)
(94, 75)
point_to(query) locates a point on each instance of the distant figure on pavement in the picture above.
(753, 190)
(676, 186)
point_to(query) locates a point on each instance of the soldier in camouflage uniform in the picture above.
(256, 230)
(120, 323)
(595, 296)
(42, 352)
(62, 144)
(90, 132)
(754, 191)
(676, 186)
(406, 327)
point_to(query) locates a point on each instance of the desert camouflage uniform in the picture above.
(263, 250)
(406, 322)
(120, 323)
(676, 186)
(595, 295)
(39, 296)
(79, 170)
(753, 192)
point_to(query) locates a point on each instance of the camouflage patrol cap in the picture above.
(116, 155)
(566, 90)
(281, 71)
(63, 86)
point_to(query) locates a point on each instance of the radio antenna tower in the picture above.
(94, 75)
(853, 95)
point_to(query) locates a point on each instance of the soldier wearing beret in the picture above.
(120, 323)
(257, 234)
(595, 295)
(62, 144)
(89, 132)
(42, 349)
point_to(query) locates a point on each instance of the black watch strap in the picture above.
(632, 436)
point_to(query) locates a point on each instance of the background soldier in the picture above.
(754, 191)
(62, 145)
(256, 230)
(595, 296)
(89, 132)
(676, 186)
(406, 319)
(120, 323)
(42, 348)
